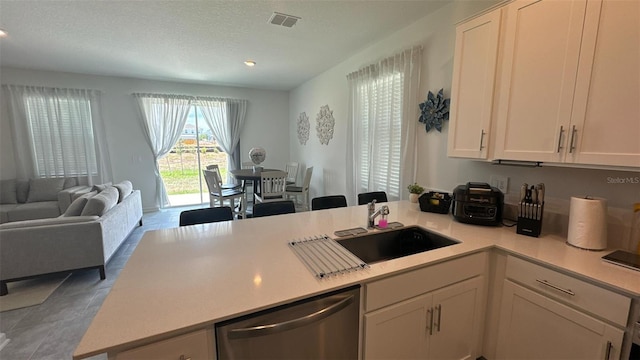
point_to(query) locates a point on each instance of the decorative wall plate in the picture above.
(434, 111)
(303, 128)
(324, 124)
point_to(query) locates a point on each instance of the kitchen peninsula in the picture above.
(186, 279)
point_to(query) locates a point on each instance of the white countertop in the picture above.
(184, 278)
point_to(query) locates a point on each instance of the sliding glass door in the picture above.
(181, 168)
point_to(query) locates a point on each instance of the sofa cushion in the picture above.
(101, 187)
(76, 207)
(36, 210)
(44, 189)
(50, 221)
(101, 203)
(124, 189)
(8, 192)
(22, 191)
(4, 211)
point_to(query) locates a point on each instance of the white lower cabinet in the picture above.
(443, 324)
(533, 326)
(435, 312)
(192, 346)
(549, 315)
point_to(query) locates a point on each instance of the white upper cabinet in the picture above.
(567, 84)
(473, 84)
(605, 122)
(538, 77)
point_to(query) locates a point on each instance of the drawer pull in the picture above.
(182, 357)
(566, 291)
(608, 352)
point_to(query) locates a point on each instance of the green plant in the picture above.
(415, 189)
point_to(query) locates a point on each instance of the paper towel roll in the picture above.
(588, 223)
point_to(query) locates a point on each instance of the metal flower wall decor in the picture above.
(435, 111)
(324, 124)
(303, 128)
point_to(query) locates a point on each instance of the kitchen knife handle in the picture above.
(573, 135)
(482, 139)
(560, 139)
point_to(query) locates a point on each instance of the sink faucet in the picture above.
(372, 213)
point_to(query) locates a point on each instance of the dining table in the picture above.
(252, 174)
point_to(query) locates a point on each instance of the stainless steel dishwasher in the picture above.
(322, 327)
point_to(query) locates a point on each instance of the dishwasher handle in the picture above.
(290, 324)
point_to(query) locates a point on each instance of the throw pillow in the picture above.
(70, 182)
(44, 189)
(124, 189)
(8, 192)
(76, 207)
(22, 191)
(100, 187)
(101, 203)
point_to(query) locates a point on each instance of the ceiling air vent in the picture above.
(283, 19)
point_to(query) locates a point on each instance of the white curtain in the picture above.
(61, 133)
(162, 118)
(381, 130)
(226, 118)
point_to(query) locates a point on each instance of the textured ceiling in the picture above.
(197, 41)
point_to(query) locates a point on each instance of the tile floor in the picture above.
(53, 329)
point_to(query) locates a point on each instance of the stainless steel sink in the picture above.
(392, 244)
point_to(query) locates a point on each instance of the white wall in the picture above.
(265, 126)
(436, 33)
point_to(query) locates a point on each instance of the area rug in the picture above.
(30, 292)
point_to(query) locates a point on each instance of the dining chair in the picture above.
(214, 167)
(365, 198)
(205, 215)
(274, 208)
(291, 168)
(248, 185)
(295, 191)
(272, 186)
(328, 202)
(217, 195)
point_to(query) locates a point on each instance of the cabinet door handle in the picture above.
(430, 321)
(482, 133)
(182, 357)
(560, 139)
(439, 308)
(566, 291)
(573, 135)
(608, 352)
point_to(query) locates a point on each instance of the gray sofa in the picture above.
(36, 198)
(85, 236)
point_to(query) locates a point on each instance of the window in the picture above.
(380, 128)
(62, 136)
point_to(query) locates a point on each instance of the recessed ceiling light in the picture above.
(250, 63)
(3, 33)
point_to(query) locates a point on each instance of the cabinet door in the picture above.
(538, 75)
(606, 115)
(458, 311)
(195, 345)
(533, 326)
(474, 65)
(398, 331)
